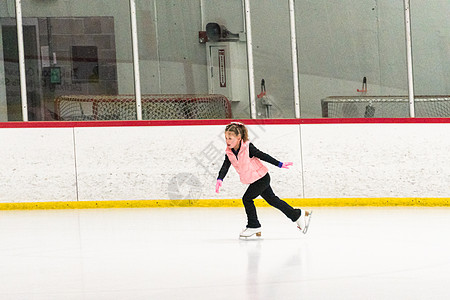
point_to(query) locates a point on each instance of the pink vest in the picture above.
(249, 169)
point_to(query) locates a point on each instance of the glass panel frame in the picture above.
(64, 77)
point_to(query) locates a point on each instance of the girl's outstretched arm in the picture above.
(263, 156)
(222, 173)
(266, 157)
(224, 169)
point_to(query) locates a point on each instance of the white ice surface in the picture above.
(195, 253)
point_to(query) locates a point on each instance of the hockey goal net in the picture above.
(385, 107)
(154, 107)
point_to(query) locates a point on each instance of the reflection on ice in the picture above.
(196, 253)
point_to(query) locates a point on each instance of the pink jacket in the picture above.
(249, 169)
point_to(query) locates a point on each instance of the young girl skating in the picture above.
(246, 159)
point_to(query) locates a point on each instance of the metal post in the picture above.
(202, 14)
(409, 59)
(294, 58)
(155, 9)
(23, 80)
(137, 77)
(251, 75)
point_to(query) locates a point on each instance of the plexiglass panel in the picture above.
(349, 50)
(74, 52)
(194, 61)
(10, 105)
(184, 75)
(430, 29)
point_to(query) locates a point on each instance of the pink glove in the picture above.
(286, 165)
(218, 185)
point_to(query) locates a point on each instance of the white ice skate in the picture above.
(303, 221)
(248, 232)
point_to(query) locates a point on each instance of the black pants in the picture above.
(262, 187)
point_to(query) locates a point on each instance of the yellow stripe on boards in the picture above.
(297, 202)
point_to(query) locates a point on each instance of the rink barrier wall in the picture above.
(337, 162)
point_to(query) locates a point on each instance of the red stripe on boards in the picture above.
(70, 124)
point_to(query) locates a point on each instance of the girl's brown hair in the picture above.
(238, 129)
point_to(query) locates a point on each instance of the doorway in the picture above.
(11, 69)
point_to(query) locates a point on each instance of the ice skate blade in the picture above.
(308, 219)
(258, 234)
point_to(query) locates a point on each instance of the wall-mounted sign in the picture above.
(222, 68)
(55, 75)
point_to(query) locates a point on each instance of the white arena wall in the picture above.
(150, 160)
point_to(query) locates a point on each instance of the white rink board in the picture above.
(376, 160)
(139, 163)
(182, 162)
(172, 163)
(37, 164)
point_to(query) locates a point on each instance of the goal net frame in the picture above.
(154, 107)
(384, 106)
